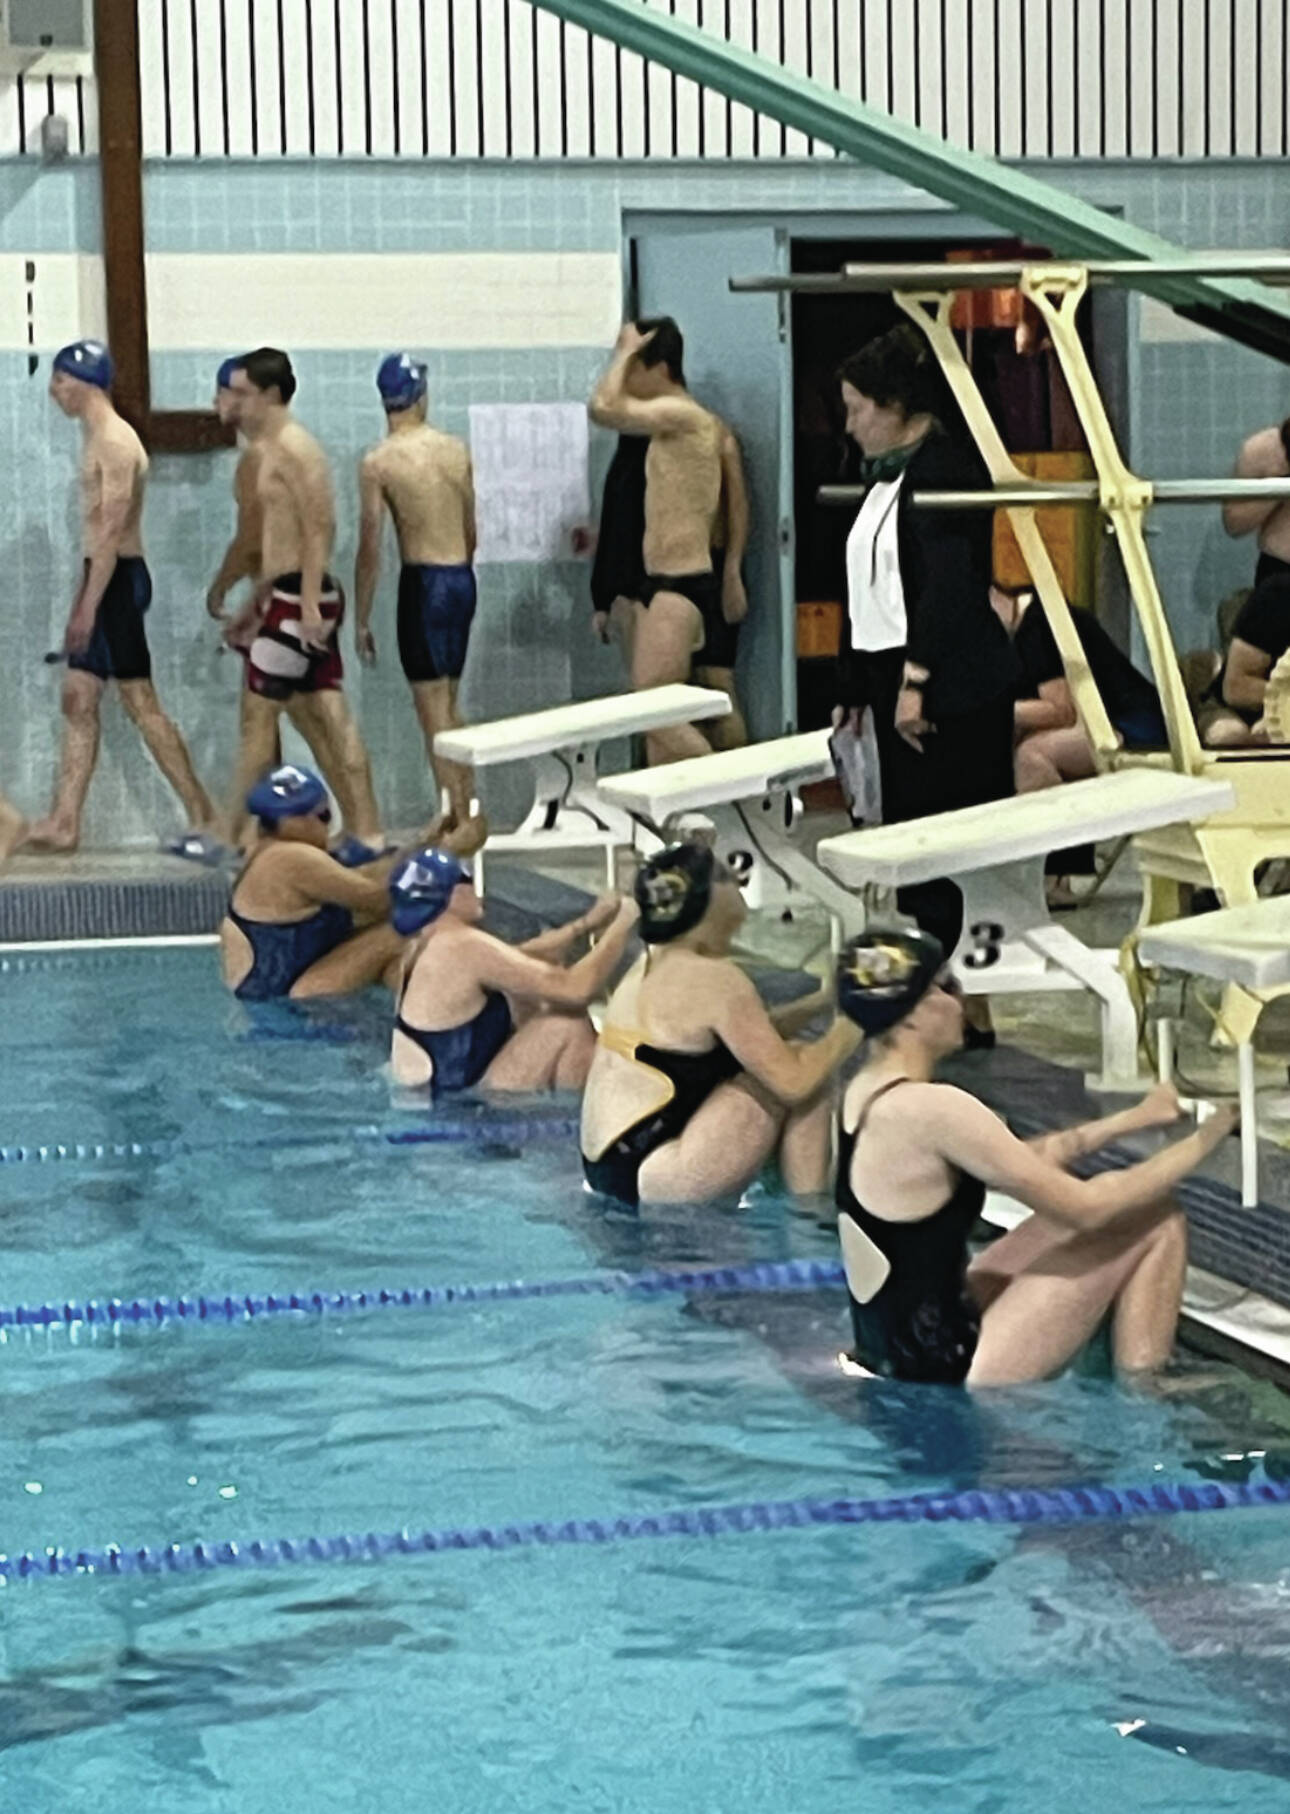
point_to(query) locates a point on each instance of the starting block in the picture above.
(750, 797)
(995, 855)
(568, 813)
(1246, 948)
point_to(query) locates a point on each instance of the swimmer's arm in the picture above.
(556, 942)
(327, 883)
(311, 485)
(367, 568)
(1256, 460)
(1159, 1108)
(611, 407)
(792, 1073)
(469, 525)
(735, 494)
(969, 1136)
(1054, 710)
(242, 557)
(506, 967)
(117, 478)
(791, 1016)
(1245, 677)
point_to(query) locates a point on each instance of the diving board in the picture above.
(750, 796)
(995, 855)
(1247, 948)
(563, 745)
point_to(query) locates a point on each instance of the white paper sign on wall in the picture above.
(531, 487)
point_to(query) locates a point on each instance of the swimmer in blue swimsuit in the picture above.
(456, 1026)
(423, 478)
(916, 1158)
(693, 1086)
(293, 915)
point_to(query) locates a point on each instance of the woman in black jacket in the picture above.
(921, 644)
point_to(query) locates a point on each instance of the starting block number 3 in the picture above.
(987, 939)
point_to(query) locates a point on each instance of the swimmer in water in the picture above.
(693, 1086)
(916, 1159)
(475, 1010)
(295, 912)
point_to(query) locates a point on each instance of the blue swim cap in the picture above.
(882, 976)
(401, 381)
(88, 360)
(286, 793)
(421, 888)
(224, 376)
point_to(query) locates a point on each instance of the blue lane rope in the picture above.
(1008, 1506)
(765, 1275)
(497, 1130)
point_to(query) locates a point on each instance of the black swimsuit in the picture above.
(693, 1076)
(921, 1325)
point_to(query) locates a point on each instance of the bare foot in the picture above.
(13, 829)
(48, 834)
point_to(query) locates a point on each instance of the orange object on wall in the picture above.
(819, 628)
(1070, 534)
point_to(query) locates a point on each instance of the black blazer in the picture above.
(946, 566)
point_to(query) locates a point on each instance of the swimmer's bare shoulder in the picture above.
(318, 879)
(1262, 456)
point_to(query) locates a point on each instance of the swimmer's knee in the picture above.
(80, 697)
(1170, 1236)
(1032, 769)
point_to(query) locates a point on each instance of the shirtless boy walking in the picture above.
(105, 637)
(1266, 455)
(686, 613)
(294, 653)
(423, 478)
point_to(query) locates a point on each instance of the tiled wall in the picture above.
(1193, 401)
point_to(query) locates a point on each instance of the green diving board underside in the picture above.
(1237, 308)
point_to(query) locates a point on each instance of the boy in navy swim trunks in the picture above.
(105, 638)
(423, 478)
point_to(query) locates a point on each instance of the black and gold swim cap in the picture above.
(882, 976)
(673, 890)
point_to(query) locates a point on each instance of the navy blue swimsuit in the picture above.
(461, 1055)
(282, 952)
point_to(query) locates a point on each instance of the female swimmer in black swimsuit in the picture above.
(693, 1086)
(916, 1160)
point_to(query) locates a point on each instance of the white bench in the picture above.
(1248, 946)
(750, 796)
(995, 856)
(563, 743)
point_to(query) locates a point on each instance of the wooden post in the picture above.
(116, 57)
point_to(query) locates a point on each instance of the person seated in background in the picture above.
(1231, 715)
(475, 1010)
(295, 913)
(916, 1159)
(1051, 744)
(1266, 455)
(693, 1086)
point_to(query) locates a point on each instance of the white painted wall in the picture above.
(1089, 78)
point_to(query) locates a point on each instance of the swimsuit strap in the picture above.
(882, 1090)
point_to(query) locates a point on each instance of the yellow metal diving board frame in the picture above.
(1223, 852)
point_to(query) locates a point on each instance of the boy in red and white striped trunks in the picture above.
(293, 659)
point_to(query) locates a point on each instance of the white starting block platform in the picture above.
(568, 813)
(995, 855)
(751, 797)
(1248, 946)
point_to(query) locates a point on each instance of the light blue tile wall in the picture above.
(1193, 404)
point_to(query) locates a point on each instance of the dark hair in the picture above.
(268, 369)
(666, 348)
(896, 371)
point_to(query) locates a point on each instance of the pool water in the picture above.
(1139, 1665)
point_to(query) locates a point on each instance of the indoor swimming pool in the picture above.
(802, 1669)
